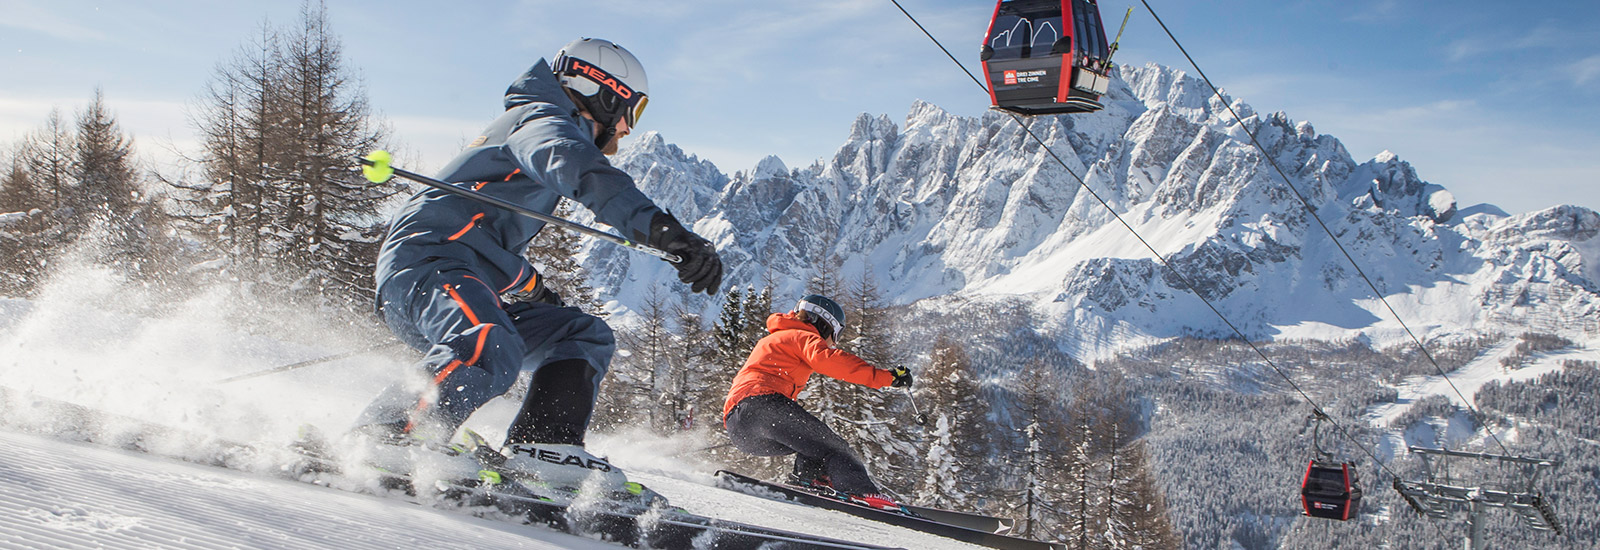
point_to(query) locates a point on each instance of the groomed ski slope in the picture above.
(1468, 380)
(69, 495)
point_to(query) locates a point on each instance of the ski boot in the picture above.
(572, 469)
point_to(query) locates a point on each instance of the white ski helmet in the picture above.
(606, 78)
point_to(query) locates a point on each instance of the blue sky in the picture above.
(1496, 101)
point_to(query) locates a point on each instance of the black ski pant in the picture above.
(774, 425)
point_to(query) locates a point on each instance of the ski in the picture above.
(659, 528)
(617, 518)
(976, 522)
(626, 523)
(756, 487)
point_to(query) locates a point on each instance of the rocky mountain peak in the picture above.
(973, 207)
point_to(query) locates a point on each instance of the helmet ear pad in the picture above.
(607, 119)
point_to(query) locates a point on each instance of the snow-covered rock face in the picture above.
(942, 204)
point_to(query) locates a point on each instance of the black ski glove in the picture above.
(902, 377)
(539, 294)
(701, 268)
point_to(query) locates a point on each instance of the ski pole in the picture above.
(376, 168)
(921, 419)
(306, 363)
(700, 450)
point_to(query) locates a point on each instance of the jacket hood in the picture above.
(788, 321)
(539, 84)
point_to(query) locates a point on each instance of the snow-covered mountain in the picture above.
(943, 205)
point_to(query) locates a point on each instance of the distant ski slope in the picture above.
(1467, 379)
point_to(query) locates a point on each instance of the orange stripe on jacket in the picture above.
(520, 271)
(783, 361)
(425, 401)
(464, 230)
(422, 404)
(464, 307)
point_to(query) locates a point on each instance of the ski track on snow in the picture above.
(71, 495)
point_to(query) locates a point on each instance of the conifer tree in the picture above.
(104, 168)
(728, 333)
(1081, 505)
(701, 382)
(869, 322)
(326, 205)
(754, 310)
(1043, 458)
(885, 440)
(555, 253)
(959, 444)
(48, 158)
(650, 349)
(1138, 518)
(235, 118)
(280, 123)
(21, 221)
(111, 195)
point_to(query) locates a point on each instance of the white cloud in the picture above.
(1375, 12)
(1546, 35)
(30, 16)
(1585, 71)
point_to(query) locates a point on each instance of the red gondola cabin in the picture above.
(1046, 56)
(1330, 490)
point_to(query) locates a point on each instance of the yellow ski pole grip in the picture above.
(376, 166)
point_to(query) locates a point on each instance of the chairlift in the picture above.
(1330, 489)
(1047, 56)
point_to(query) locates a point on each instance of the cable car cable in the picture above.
(1342, 431)
(1316, 407)
(1160, 257)
(1478, 415)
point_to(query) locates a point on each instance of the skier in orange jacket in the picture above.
(763, 419)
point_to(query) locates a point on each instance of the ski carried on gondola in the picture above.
(962, 531)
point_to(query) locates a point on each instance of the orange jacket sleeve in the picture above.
(843, 365)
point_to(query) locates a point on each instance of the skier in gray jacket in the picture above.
(453, 281)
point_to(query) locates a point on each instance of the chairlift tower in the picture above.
(1437, 496)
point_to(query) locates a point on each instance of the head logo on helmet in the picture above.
(600, 76)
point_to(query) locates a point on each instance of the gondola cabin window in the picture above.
(1018, 34)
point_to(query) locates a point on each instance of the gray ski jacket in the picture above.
(538, 151)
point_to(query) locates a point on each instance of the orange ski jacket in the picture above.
(783, 361)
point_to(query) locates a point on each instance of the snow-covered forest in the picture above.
(1066, 381)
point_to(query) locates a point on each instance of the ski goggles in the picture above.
(823, 313)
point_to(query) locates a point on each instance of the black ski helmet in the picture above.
(826, 309)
